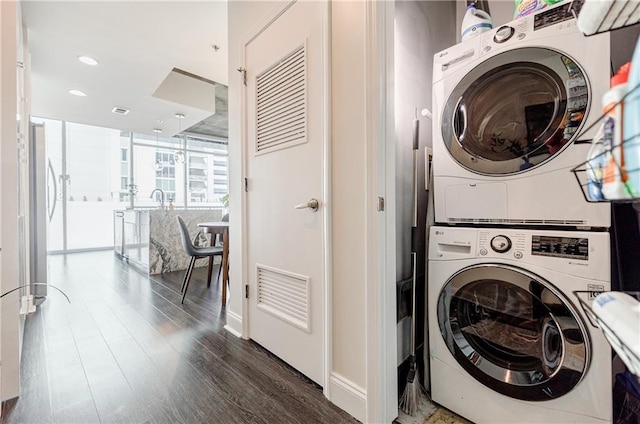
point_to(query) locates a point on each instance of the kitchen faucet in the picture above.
(161, 197)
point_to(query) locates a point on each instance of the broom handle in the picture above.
(414, 228)
(413, 304)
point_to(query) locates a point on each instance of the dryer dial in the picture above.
(501, 244)
(503, 33)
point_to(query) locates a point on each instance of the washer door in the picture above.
(515, 111)
(513, 332)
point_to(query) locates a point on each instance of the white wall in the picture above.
(421, 30)
(242, 17)
(349, 356)
(348, 117)
(9, 307)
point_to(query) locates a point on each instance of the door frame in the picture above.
(381, 330)
(262, 25)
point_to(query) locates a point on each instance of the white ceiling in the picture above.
(137, 44)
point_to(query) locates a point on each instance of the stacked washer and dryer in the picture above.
(514, 236)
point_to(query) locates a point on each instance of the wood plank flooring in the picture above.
(126, 351)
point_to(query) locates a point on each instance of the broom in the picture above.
(414, 393)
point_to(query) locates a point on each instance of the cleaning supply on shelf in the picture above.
(619, 316)
(595, 167)
(475, 22)
(615, 178)
(527, 7)
(631, 124)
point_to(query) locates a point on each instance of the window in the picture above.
(124, 183)
(124, 154)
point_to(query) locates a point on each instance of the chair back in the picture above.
(187, 245)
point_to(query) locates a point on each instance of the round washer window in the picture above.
(515, 111)
(513, 332)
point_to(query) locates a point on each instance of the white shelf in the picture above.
(626, 353)
(597, 16)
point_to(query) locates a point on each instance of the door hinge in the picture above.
(243, 71)
(26, 305)
(246, 184)
(246, 291)
(380, 204)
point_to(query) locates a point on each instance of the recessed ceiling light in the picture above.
(88, 60)
(157, 130)
(77, 93)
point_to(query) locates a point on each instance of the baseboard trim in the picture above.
(234, 324)
(348, 396)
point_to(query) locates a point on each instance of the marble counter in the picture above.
(165, 247)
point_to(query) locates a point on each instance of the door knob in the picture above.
(312, 204)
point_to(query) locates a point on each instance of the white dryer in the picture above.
(509, 342)
(510, 109)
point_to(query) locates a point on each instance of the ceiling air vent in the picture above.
(120, 110)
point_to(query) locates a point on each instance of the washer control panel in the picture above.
(498, 244)
(560, 247)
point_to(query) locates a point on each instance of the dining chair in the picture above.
(196, 252)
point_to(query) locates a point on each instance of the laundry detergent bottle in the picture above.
(631, 124)
(475, 22)
(615, 179)
(595, 167)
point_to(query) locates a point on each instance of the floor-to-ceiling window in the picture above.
(95, 171)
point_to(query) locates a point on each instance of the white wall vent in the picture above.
(120, 110)
(281, 103)
(284, 295)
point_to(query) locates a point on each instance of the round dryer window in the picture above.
(515, 111)
(513, 332)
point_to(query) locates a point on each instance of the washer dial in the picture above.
(501, 244)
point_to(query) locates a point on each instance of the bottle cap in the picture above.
(471, 6)
(622, 75)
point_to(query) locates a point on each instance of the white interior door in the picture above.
(286, 120)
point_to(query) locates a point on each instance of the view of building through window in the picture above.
(95, 171)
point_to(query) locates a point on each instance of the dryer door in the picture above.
(513, 332)
(515, 111)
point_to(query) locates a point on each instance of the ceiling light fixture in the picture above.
(78, 93)
(180, 156)
(88, 60)
(157, 165)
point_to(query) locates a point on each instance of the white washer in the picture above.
(509, 342)
(510, 109)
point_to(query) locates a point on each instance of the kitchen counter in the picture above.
(150, 239)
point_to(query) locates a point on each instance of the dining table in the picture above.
(218, 228)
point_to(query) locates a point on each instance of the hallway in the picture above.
(125, 350)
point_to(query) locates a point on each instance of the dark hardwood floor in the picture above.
(126, 351)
